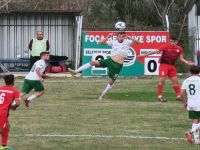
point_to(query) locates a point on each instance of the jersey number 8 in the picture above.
(192, 90)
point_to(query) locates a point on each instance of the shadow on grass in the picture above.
(139, 96)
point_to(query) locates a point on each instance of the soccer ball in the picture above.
(120, 25)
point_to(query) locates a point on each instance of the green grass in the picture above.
(70, 106)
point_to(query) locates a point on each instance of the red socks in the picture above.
(160, 90)
(177, 89)
(5, 136)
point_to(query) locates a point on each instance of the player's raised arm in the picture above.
(150, 53)
(185, 61)
(133, 40)
(103, 41)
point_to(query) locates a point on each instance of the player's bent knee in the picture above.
(94, 63)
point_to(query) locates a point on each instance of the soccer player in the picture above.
(34, 79)
(191, 88)
(170, 53)
(120, 47)
(9, 98)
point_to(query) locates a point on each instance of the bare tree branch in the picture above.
(154, 3)
(5, 4)
(166, 6)
(169, 6)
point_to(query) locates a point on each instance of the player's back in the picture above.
(192, 86)
(7, 94)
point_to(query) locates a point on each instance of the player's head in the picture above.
(174, 39)
(45, 55)
(9, 79)
(194, 70)
(40, 35)
(121, 36)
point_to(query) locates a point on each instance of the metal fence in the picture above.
(16, 31)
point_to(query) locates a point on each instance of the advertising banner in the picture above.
(133, 66)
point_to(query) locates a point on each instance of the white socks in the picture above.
(83, 67)
(32, 97)
(195, 127)
(106, 90)
(195, 130)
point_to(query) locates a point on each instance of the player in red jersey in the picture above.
(170, 53)
(9, 98)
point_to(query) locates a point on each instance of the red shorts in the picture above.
(166, 70)
(3, 121)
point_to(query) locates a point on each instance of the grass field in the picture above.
(129, 119)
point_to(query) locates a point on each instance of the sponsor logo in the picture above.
(131, 57)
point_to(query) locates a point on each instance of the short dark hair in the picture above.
(121, 33)
(9, 79)
(194, 70)
(44, 53)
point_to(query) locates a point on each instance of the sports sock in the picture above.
(195, 127)
(5, 136)
(177, 89)
(83, 67)
(106, 90)
(160, 90)
(32, 97)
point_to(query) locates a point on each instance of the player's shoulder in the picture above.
(179, 47)
(192, 78)
(9, 88)
(40, 61)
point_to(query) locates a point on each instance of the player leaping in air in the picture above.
(34, 79)
(120, 47)
(170, 53)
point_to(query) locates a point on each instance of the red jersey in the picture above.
(7, 95)
(170, 53)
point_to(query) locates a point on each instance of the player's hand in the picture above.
(14, 107)
(110, 35)
(41, 79)
(140, 56)
(190, 63)
(44, 76)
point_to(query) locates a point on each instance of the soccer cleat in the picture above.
(26, 101)
(189, 137)
(100, 97)
(162, 99)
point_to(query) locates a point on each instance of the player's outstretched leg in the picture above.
(33, 97)
(176, 87)
(85, 66)
(160, 89)
(107, 89)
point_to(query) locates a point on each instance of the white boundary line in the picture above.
(99, 136)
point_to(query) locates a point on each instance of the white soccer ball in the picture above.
(120, 25)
